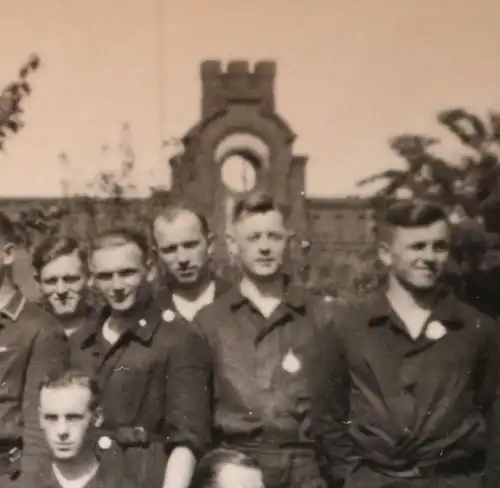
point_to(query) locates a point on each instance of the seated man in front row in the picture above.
(69, 417)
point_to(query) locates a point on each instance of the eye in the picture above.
(50, 281)
(71, 279)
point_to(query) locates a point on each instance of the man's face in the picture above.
(62, 282)
(183, 248)
(233, 476)
(119, 272)
(417, 256)
(260, 242)
(66, 420)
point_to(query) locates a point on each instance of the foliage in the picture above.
(12, 97)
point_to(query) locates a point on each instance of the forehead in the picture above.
(439, 230)
(184, 224)
(251, 222)
(116, 256)
(69, 263)
(71, 398)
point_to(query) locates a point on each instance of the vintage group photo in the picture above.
(249, 244)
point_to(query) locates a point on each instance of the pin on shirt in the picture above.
(143, 323)
(104, 442)
(291, 363)
(435, 330)
(168, 315)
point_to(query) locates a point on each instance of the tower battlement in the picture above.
(238, 82)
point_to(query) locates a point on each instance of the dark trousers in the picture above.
(146, 464)
(285, 467)
(364, 477)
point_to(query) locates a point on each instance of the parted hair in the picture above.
(409, 214)
(54, 247)
(120, 236)
(256, 202)
(208, 468)
(73, 377)
(173, 210)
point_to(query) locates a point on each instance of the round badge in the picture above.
(104, 442)
(435, 330)
(168, 315)
(143, 323)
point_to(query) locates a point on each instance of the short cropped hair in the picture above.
(172, 211)
(8, 231)
(409, 214)
(258, 202)
(54, 247)
(73, 377)
(120, 236)
(208, 468)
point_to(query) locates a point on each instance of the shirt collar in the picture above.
(12, 310)
(445, 310)
(294, 297)
(141, 322)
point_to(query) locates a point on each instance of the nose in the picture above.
(183, 258)
(60, 287)
(62, 430)
(117, 283)
(264, 246)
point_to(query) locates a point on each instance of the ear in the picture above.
(210, 244)
(98, 418)
(231, 243)
(151, 271)
(10, 252)
(385, 253)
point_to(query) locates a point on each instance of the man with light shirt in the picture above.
(70, 417)
(183, 245)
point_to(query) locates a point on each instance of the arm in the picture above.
(330, 407)
(488, 400)
(188, 411)
(49, 353)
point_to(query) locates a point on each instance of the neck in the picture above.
(195, 290)
(7, 290)
(77, 467)
(398, 293)
(271, 288)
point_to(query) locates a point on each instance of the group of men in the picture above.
(171, 362)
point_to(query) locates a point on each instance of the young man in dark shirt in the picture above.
(410, 374)
(70, 417)
(32, 345)
(183, 246)
(263, 337)
(152, 369)
(61, 273)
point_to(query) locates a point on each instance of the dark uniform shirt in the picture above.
(154, 377)
(393, 402)
(32, 345)
(261, 368)
(112, 472)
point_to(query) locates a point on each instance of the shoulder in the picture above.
(476, 320)
(39, 321)
(217, 310)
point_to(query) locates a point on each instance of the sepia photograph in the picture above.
(249, 244)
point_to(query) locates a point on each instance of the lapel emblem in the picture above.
(435, 330)
(143, 323)
(291, 363)
(104, 442)
(168, 315)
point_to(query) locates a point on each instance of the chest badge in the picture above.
(104, 442)
(168, 315)
(291, 363)
(435, 330)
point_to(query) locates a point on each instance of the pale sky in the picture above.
(351, 73)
